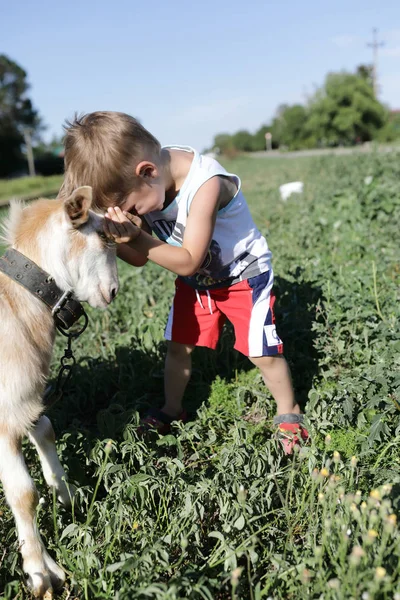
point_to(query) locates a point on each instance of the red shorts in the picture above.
(197, 316)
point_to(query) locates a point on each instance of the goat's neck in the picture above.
(27, 308)
(49, 250)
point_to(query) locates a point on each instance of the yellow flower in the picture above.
(321, 497)
(324, 472)
(353, 462)
(390, 524)
(315, 473)
(380, 573)
(135, 525)
(371, 536)
(336, 457)
(354, 509)
(375, 494)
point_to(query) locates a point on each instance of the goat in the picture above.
(65, 238)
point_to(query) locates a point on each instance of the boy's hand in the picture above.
(120, 226)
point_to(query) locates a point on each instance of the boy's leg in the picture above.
(276, 375)
(178, 369)
(194, 320)
(249, 307)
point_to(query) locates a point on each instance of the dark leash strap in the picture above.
(65, 310)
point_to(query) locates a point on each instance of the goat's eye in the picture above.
(102, 236)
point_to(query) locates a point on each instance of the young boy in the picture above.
(205, 235)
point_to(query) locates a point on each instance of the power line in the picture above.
(375, 45)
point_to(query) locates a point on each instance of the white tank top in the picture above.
(237, 251)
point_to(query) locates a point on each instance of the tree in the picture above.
(223, 143)
(344, 111)
(16, 112)
(289, 127)
(243, 141)
(366, 72)
(391, 131)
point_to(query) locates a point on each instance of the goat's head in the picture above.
(66, 238)
(92, 257)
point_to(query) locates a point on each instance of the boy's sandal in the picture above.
(157, 420)
(291, 431)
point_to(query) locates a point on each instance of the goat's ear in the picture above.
(78, 204)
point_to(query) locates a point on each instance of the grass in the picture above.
(28, 187)
(214, 510)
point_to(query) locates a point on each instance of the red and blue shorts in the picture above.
(197, 316)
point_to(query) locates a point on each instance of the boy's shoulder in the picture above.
(198, 160)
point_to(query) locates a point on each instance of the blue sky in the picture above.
(189, 69)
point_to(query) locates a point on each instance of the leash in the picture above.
(67, 364)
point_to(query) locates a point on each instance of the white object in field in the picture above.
(287, 189)
(368, 180)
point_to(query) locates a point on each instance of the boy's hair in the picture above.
(102, 150)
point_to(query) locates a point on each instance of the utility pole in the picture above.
(29, 151)
(375, 45)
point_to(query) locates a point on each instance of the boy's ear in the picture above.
(146, 170)
(78, 204)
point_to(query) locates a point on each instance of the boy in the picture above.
(206, 236)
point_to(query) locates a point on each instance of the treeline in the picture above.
(343, 112)
(20, 123)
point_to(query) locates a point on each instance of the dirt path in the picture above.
(364, 149)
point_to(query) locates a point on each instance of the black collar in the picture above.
(65, 310)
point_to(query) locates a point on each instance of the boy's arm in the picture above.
(185, 260)
(131, 256)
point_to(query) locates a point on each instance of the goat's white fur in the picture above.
(69, 249)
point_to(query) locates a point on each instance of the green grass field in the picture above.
(215, 511)
(28, 187)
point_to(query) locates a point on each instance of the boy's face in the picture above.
(149, 197)
(151, 193)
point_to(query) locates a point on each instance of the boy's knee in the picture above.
(266, 362)
(176, 350)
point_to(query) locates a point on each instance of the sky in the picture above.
(189, 70)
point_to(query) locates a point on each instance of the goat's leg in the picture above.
(43, 437)
(42, 572)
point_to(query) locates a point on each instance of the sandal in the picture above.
(157, 420)
(291, 431)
